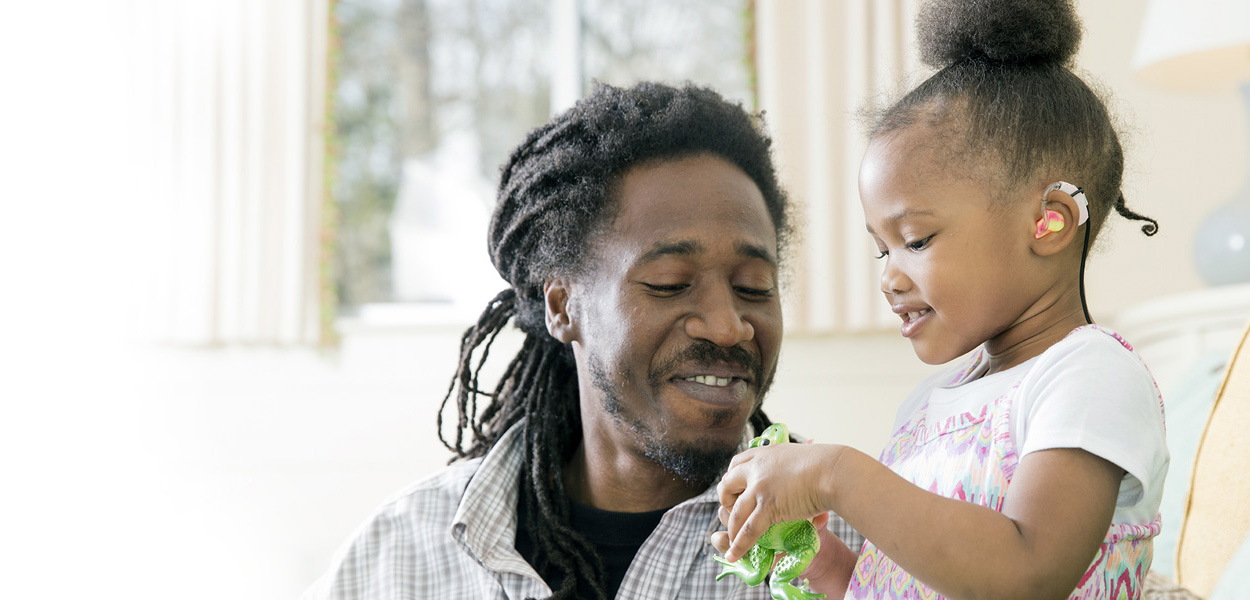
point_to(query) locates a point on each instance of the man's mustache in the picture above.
(706, 352)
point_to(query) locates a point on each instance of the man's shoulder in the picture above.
(430, 497)
(418, 515)
(383, 551)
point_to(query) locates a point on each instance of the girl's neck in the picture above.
(1048, 322)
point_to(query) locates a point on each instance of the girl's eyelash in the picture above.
(915, 246)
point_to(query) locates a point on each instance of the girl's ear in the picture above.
(1055, 227)
(560, 322)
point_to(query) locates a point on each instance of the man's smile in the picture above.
(723, 383)
(723, 391)
(717, 375)
(711, 380)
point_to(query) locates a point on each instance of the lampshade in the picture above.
(1195, 44)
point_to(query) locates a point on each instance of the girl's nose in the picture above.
(893, 280)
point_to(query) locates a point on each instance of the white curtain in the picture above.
(234, 140)
(820, 62)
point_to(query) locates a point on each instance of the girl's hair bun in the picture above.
(1006, 31)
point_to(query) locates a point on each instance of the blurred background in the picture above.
(241, 239)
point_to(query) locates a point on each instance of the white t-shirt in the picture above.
(1087, 391)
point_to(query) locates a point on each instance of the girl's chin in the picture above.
(934, 356)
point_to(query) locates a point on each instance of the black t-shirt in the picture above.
(616, 535)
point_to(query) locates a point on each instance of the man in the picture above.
(641, 233)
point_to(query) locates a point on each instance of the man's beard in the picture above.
(699, 463)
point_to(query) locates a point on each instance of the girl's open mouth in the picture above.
(913, 320)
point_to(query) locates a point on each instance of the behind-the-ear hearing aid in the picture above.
(1052, 221)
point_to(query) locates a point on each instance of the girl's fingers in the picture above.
(742, 457)
(722, 491)
(738, 513)
(740, 540)
(749, 533)
(821, 521)
(729, 488)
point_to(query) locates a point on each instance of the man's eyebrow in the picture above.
(692, 247)
(681, 248)
(755, 251)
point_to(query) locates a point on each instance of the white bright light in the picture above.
(1194, 44)
(1237, 242)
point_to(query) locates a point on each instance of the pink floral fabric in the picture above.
(971, 457)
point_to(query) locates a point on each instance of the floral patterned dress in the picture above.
(971, 457)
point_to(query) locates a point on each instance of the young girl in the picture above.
(1034, 468)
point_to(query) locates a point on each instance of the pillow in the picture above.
(1234, 584)
(1159, 587)
(1218, 517)
(1187, 408)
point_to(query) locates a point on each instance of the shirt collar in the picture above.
(486, 521)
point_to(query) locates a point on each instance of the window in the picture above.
(432, 95)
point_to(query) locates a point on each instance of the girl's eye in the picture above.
(919, 245)
(666, 289)
(884, 253)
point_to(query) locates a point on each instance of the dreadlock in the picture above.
(1005, 93)
(555, 193)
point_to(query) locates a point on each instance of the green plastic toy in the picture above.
(796, 539)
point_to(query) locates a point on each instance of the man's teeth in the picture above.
(912, 316)
(710, 380)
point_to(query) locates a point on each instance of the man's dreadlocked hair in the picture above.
(555, 192)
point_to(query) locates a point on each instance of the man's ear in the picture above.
(560, 322)
(1055, 226)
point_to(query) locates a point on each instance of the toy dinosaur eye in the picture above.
(766, 442)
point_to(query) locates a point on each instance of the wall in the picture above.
(159, 472)
(1187, 153)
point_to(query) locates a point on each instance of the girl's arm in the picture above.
(1039, 546)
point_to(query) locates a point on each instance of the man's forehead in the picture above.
(691, 205)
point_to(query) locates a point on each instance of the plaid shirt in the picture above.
(452, 536)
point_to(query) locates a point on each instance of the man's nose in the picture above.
(718, 318)
(893, 279)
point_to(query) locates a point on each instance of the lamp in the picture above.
(1205, 45)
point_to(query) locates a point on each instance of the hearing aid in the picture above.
(1052, 221)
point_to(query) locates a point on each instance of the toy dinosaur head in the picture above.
(777, 433)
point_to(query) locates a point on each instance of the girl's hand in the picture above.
(766, 485)
(829, 573)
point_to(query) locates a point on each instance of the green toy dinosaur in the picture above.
(796, 539)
